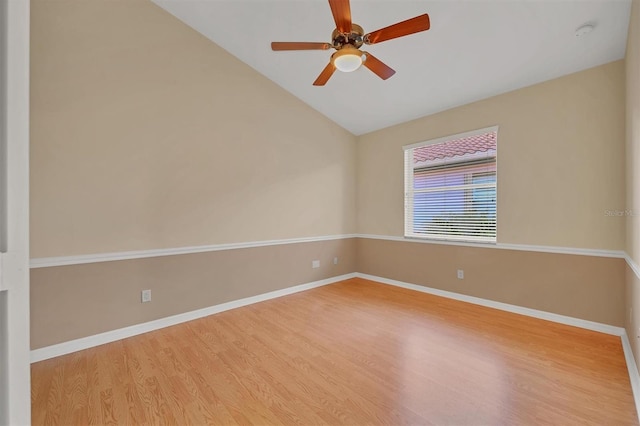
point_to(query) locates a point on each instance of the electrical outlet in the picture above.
(460, 274)
(315, 264)
(335, 260)
(146, 296)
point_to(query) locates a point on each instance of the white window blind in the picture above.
(450, 187)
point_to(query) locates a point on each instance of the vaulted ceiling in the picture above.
(475, 49)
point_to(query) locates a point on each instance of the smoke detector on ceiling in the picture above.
(584, 30)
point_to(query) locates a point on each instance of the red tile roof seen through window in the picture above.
(456, 148)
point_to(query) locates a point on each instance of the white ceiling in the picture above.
(475, 49)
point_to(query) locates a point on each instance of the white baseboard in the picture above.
(111, 336)
(562, 319)
(122, 333)
(634, 377)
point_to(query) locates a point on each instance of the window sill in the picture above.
(453, 240)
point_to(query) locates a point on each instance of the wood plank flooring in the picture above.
(351, 353)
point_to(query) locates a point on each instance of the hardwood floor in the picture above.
(354, 353)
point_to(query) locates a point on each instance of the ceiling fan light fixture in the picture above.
(347, 59)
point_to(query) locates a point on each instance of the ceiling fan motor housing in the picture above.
(354, 38)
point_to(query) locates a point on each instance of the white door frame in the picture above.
(15, 382)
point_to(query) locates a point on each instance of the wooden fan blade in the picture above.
(325, 75)
(341, 14)
(410, 26)
(286, 45)
(378, 67)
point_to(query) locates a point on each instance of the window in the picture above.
(450, 187)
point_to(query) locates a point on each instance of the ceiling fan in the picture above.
(347, 39)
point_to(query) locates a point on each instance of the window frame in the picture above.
(409, 187)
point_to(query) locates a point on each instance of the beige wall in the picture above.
(76, 301)
(560, 167)
(146, 135)
(560, 157)
(632, 308)
(584, 287)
